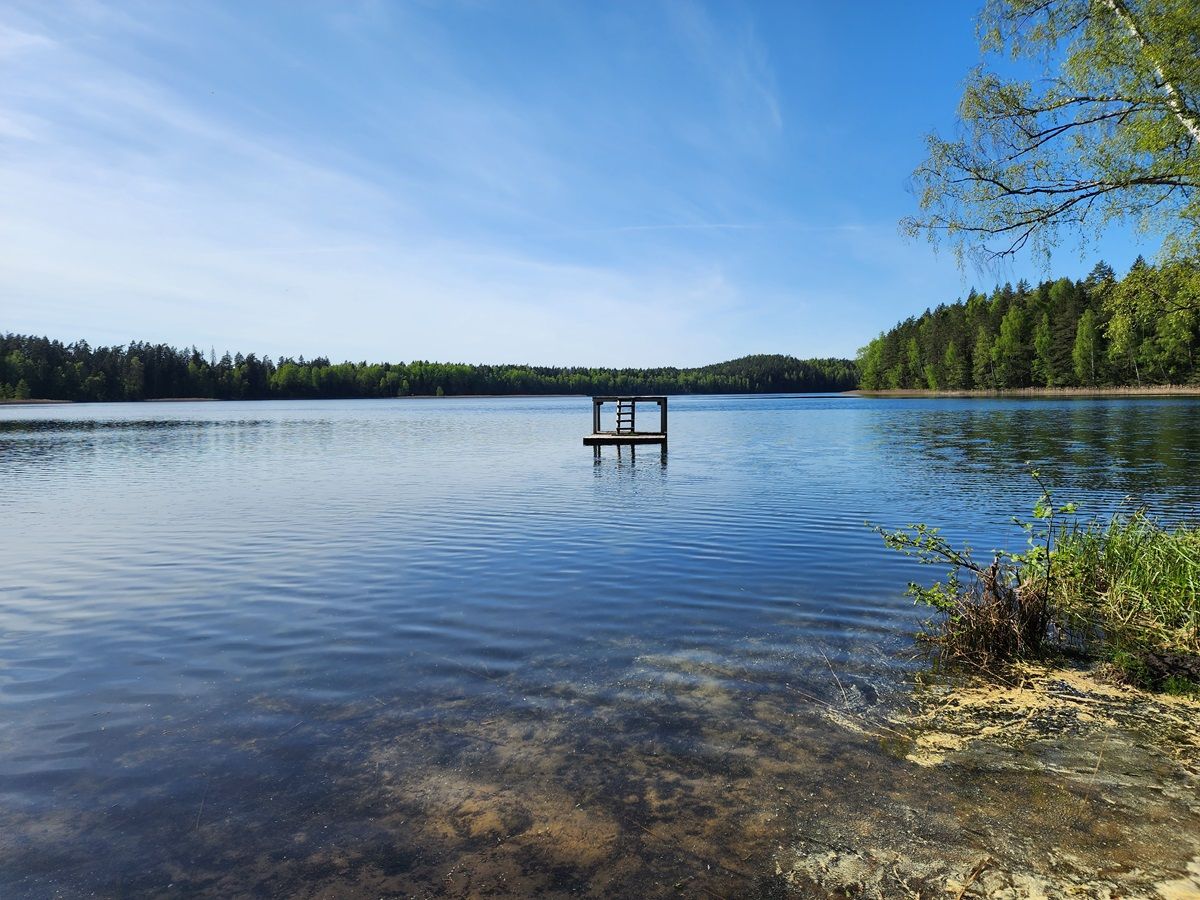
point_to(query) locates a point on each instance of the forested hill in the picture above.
(773, 373)
(37, 367)
(1141, 329)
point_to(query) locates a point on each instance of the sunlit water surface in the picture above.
(426, 647)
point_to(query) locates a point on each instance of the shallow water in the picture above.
(423, 647)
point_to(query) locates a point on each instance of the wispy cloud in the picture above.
(733, 58)
(394, 180)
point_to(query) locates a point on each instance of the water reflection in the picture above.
(1147, 450)
(412, 648)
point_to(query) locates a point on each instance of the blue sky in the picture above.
(596, 183)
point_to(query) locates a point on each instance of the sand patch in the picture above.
(1052, 784)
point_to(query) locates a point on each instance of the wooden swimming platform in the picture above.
(626, 433)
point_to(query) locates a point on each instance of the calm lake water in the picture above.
(433, 647)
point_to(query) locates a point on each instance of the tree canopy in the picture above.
(1109, 131)
(38, 367)
(1062, 333)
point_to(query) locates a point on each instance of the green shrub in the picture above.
(1126, 590)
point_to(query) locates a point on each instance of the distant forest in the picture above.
(37, 367)
(1100, 331)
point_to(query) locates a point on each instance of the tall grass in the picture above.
(1130, 582)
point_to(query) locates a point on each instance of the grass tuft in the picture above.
(1131, 583)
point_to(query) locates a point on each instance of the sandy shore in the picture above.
(1049, 783)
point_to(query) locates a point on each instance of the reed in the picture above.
(1132, 587)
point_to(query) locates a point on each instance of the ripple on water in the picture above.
(435, 647)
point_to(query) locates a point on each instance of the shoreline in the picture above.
(890, 393)
(1078, 776)
(405, 397)
(1161, 390)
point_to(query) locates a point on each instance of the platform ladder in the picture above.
(625, 416)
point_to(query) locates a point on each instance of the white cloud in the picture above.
(461, 226)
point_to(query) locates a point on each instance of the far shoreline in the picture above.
(1176, 390)
(405, 397)
(34, 402)
(1160, 390)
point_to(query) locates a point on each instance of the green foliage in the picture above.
(1180, 686)
(991, 613)
(983, 367)
(1108, 131)
(1083, 354)
(135, 379)
(45, 369)
(1130, 666)
(928, 546)
(1043, 360)
(1143, 329)
(1128, 590)
(1155, 312)
(1133, 579)
(955, 367)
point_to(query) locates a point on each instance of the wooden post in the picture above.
(662, 416)
(596, 415)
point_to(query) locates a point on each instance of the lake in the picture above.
(434, 647)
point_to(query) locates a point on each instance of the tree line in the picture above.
(38, 367)
(1141, 329)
